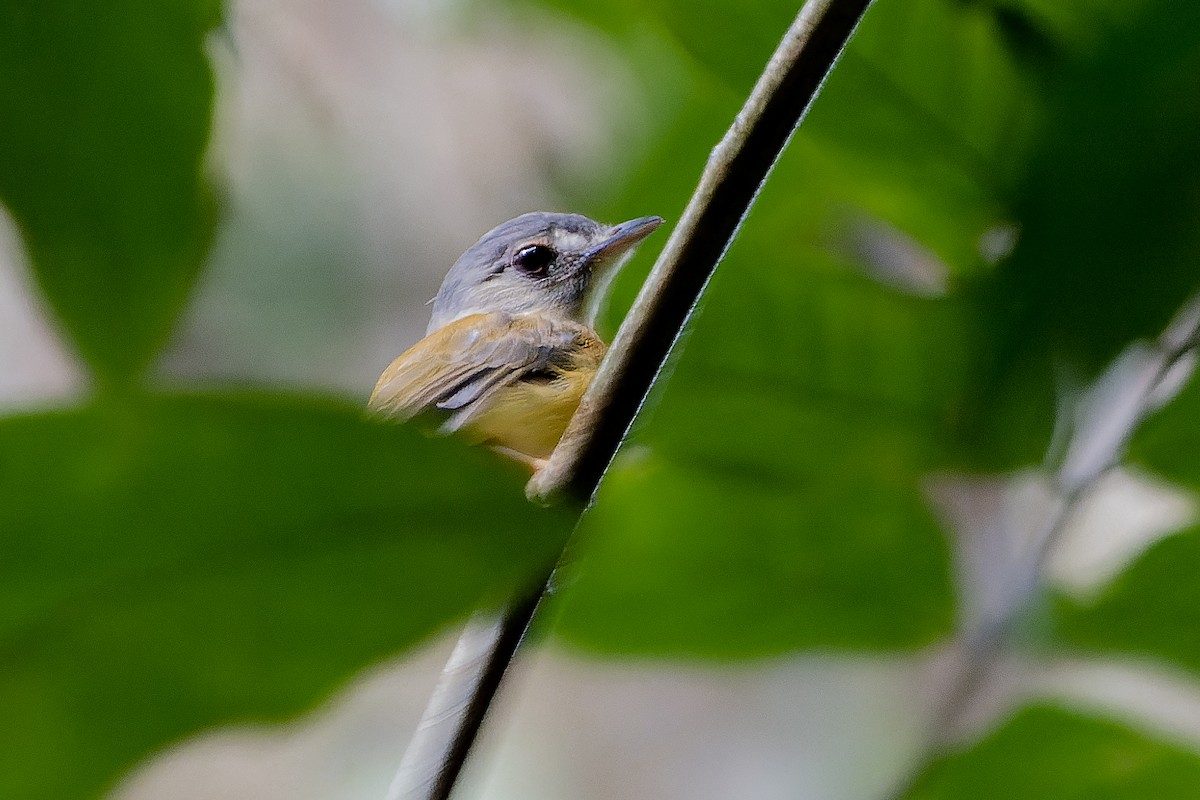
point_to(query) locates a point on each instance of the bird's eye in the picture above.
(534, 259)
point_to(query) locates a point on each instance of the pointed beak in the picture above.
(621, 239)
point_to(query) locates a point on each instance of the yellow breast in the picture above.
(530, 415)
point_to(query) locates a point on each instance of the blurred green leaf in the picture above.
(1079, 27)
(772, 498)
(1106, 250)
(106, 114)
(925, 124)
(180, 562)
(905, 170)
(1151, 609)
(729, 41)
(1109, 246)
(717, 552)
(1048, 753)
(1169, 442)
(1067, 127)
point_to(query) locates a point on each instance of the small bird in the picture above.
(510, 348)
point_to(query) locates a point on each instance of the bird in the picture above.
(511, 346)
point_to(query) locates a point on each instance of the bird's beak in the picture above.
(621, 239)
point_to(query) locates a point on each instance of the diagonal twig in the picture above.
(735, 172)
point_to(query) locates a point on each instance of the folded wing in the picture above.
(461, 367)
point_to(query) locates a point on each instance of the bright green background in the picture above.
(169, 562)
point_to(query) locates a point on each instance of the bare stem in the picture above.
(464, 690)
(728, 186)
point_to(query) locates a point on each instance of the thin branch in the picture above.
(985, 646)
(731, 180)
(465, 689)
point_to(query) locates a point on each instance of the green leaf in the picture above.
(1151, 609)
(1048, 753)
(925, 123)
(1169, 442)
(174, 563)
(1106, 251)
(106, 114)
(912, 153)
(700, 555)
(770, 499)
(1109, 246)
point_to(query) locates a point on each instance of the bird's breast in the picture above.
(530, 415)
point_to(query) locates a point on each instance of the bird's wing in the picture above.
(458, 367)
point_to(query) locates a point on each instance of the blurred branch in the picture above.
(735, 172)
(1136, 384)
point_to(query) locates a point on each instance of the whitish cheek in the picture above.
(568, 242)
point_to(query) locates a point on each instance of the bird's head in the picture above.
(538, 263)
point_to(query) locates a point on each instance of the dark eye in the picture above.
(534, 259)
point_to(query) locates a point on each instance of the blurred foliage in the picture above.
(106, 112)
(870, 327)
(857, 336)
(1109, 241)
(1152, 609)
(1169, 442)
(169, 562)
(771, 500)
(1046, 753)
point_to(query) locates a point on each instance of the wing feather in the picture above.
(457, 368)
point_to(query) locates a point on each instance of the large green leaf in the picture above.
(916, 145)
(1047, 753)
(1151, 609)
(925, 123)
(771, 498)
(106, 114)
(173, 563)
(719, 552)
